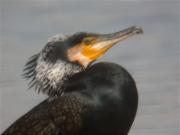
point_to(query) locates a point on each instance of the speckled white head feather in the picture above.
(57, 37)
(48, 77)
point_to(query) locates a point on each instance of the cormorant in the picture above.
(84, 98)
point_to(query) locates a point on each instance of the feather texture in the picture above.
(60, 116)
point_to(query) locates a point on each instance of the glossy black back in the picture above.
(112, 95)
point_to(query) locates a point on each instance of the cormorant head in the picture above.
(66, 55)
(85, 48)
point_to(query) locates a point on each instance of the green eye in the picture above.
(88, 40)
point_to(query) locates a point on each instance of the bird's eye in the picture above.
(88, 40)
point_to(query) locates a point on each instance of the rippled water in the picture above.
(151, 58)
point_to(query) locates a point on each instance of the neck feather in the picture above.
(49, 77)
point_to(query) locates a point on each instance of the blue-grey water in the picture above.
(152, 58)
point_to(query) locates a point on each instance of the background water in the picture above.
(152, 58)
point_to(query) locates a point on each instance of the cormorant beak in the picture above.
(107, 40)
(100, 44)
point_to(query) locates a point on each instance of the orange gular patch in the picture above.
(93, 53)
(85, 54)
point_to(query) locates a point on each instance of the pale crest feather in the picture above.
(57, 37)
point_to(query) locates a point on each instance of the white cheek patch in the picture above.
(83, 60)
(75, 54)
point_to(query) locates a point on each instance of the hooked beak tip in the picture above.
(138, 29)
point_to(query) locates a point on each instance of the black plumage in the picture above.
(86, 108)
(84, 98)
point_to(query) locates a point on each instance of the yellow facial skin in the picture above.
(92, 53)
(87, 53)
(91, 48)
(82, 53)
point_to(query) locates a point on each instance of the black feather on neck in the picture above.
(29, 71)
